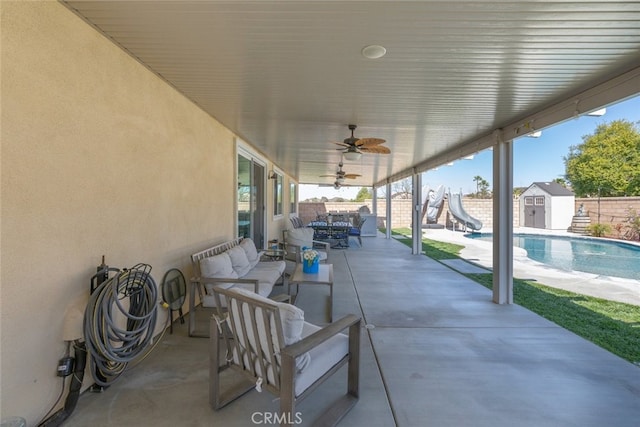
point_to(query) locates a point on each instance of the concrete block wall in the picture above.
(613, 210)
(401, 211)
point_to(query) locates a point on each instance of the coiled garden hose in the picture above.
(131, 295)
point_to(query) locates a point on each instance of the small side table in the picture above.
(324, 276)
(275, 254)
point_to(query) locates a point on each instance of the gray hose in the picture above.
(113, 347)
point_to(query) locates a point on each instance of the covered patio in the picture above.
(144, 131)
(436, 351)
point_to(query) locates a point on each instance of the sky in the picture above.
(534, 159)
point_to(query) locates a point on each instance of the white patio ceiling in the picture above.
(288, 76)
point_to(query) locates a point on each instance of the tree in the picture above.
(364, 193)
(607, 163)
(402, 189)
(477, 180)
(482, 187)
(562, 182)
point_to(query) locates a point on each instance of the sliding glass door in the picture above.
(251, 198)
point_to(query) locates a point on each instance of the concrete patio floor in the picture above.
(436, 351)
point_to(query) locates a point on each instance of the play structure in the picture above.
(433, 201)
(458, 212)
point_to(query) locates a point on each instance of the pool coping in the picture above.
(481, 253)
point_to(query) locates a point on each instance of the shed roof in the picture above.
(553, 188)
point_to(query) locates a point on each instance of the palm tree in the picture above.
(478, 179)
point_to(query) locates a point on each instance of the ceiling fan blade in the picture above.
(376, 149)
(327, 175)
(368, 142)
(339, 143)
(352, 175)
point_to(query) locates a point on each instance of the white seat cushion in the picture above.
(322, 358)
(266, 277)
(271, 265)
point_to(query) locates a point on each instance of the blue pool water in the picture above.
(595, 256)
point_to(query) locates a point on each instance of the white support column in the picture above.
(388, 221)
(502, 221)
(374, 201)
(416, 227)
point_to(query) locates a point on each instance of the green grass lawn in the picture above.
(612, 325)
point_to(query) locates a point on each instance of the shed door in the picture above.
(534, 207)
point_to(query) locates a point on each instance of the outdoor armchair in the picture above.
(275, 349)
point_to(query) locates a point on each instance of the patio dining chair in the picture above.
(274, 348)
(356, 229)
(296, 221)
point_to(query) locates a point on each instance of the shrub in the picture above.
(598, 230)
(632, 225)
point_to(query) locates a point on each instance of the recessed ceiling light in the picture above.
(373, 51)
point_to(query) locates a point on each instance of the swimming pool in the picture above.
(595, 256)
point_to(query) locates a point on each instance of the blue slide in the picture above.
(458, 212)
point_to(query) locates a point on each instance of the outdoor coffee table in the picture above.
(324, 276)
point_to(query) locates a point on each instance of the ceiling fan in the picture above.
(356, 146)
(342, 175)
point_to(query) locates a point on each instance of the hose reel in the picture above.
(119, 322)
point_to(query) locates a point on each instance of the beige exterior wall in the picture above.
(99, 157)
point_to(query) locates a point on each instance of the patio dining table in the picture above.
(337, 231)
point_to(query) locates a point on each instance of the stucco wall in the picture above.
(99, 156)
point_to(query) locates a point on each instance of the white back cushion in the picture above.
(300, 237)
(218, 266)
(239, 260)
(250, 249)
(291, 317)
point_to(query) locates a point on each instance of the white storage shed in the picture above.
(547, 205)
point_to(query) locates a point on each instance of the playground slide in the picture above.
(433, 202)
(458, 212)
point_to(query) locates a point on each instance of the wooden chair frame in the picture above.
(239, 351)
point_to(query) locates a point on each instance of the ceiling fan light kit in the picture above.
(341, 175)
(352, 155)
(354, 147)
